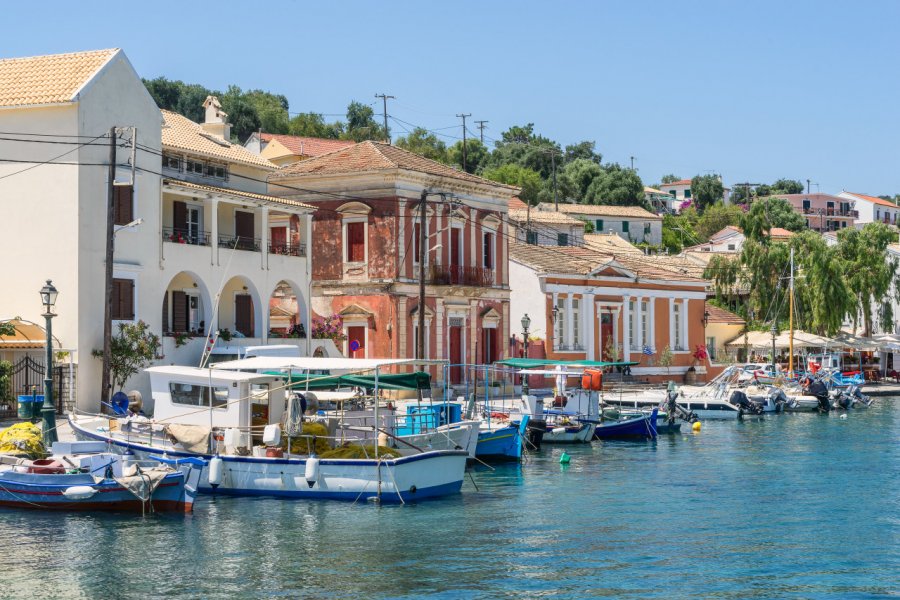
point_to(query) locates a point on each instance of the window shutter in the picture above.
(243, 314)
(243, 225)
(179, 311)
(122, 204)
(127, 298)
(116, 302)
(356, 242)
(488, 250)
(179, 215)
(165, 312)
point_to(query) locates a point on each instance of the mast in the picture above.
(791, 321)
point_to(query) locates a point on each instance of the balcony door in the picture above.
(278, 240)
(243, 314)
(456, 353)
(244, 229)
(455, 255)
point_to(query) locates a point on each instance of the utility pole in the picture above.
(463, 117)
(747, 186)
(385, 97)
(632, 163)
(110, 233)
(807, 186)
(481, 130)
(420, 338)
(555, 194)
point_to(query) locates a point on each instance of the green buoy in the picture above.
(564, 458)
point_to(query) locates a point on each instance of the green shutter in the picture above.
(599, 225)
(624, 226)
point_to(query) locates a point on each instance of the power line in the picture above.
(385, 98)
(463, 117)
(481, 129)
(50, 161)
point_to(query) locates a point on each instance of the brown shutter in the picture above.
(115, 301)
(243, 314)
(165, 312)
(179, 215)
(122, 204)
(243, 224)
(179, 312)
(356, 242)
(127, 298)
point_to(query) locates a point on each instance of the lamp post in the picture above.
(774, 332)
(705, 321)
(48, 410)
(526, 322)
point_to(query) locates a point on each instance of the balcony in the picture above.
(830, 212)
(240, 243)
(287, 249)
(457, 275)
(185, 236)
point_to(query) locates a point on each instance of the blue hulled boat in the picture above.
(639, 426)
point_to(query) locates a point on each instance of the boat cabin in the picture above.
(216, 398)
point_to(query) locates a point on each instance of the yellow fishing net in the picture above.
(358, 451)
(302, 445)
(22, 439)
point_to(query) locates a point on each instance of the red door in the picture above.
(356, 341)
(606, 334)
(278, 240)
(456, 354)
(489, 346)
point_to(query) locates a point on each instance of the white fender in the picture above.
(272, 435)
(312, 470)
(216, 471)
(79, 492)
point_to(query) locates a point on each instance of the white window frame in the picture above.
(677, 342)
(576, 323)
(355, 219)
(461, 262)
(645, 325)
(127, 272)
(559, 325)
(632, 325)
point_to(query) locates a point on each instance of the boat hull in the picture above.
(408, 478)
(48, 492)
(643, 426)
(502, 443)
(581, 434)
(703, 409)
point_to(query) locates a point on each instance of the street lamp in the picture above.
(526, 322)
(48, 410)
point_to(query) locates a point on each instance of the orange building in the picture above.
(365, 255)
(588, 305)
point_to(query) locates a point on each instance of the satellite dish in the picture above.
(119, 403)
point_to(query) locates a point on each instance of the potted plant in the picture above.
(225, 335)
(699, 354)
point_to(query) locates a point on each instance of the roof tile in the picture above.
(181, 133)
(249, 195)
(306, 146)
(602, 210)
(49, 79)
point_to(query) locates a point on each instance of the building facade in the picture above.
(590, 306)
(872, 208)
(631, 223)
(366, 268)
(545, 228)
(823, 212)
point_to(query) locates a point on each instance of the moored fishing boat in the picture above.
(81, 476)
(236, 420)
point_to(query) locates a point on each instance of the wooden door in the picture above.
(243, 314)
(356, 341)
(456, 354)
(278, 240)
(244, 229)
(179, 312)
(179, 217)
(489, 346)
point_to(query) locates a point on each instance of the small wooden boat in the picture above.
(79, 477)
(643, 425)
(501, 441)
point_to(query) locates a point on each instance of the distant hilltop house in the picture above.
(660, 201)
(544, 228)
(632, 223)
(731, 239)
(823, 212)
(681, 191)
(283, 149)
(872, 208)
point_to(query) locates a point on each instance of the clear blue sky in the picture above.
(753, 90)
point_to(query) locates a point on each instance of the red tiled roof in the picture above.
(720, 315)
(378, 156)
(516, 204)
(679, 182)
(778, 232)
(306, 146)
(874, 199)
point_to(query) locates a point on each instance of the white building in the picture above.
(681, 191)
(206, 224)
(545, 228)
(873, 208)
(631, 223)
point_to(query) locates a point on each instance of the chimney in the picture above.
(216, 120)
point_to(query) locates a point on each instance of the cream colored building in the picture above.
(211, 248)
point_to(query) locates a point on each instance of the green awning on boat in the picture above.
(533, 363)
(392, 381)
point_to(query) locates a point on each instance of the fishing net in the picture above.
(22, 439)
(358, 451)
(315, 437)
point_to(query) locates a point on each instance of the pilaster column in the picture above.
(570, 322)
(651, 323)
(214, 230)
(265, 237)
(639, 330)
(589, 323)
(626, 325)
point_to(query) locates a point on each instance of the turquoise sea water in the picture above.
(800, 506)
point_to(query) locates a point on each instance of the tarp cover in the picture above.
(399, 381)
(193, 438)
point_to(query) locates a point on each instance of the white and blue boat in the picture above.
(234, 420)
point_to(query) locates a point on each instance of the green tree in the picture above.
(272, 110)
(787, 186)
(241, 113)
(133, 349)
(617, 186)
(528, 180)
(869, 271)
(424, 143)
(706, 190)
(361, 124)
(185, 99)
(670, 178)
(582, 151)
(576, 177)
(716, 217)
(314, 125)
(678, 231)
(766, 213)
(821, 294)
(519, 145)
(476, 155)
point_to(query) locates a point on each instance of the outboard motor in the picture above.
(856, 397)
(818, 389)
(778, 398)
(745, 406)
(673, 409)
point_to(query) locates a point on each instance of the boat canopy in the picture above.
(533, 363)
(418, 380)
(306, 363)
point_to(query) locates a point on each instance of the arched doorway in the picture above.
(239, 308)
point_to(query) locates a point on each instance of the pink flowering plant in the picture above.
(700, 354)
(329, 328)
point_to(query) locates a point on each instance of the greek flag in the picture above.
(648, 351)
